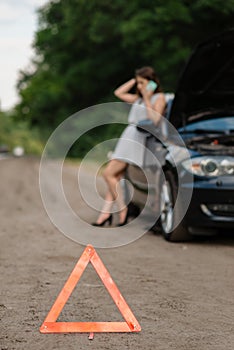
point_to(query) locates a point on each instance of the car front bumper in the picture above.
(212, 203)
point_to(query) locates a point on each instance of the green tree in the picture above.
(84, 49)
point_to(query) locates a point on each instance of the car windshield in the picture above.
(219, 125)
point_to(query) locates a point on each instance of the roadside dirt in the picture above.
(181, 294)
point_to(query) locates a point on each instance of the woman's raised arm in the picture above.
(123, 94)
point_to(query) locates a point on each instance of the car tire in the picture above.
(169, 213)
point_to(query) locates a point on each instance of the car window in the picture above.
(224, 123)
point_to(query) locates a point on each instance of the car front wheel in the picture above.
(169, 212)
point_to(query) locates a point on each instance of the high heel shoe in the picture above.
(109, 220)
(126, 219)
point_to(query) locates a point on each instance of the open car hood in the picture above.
(206, 85)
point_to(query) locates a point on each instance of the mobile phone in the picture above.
(151, 86)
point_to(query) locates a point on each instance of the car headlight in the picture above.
(210, 166)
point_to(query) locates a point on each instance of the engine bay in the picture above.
(221, 145)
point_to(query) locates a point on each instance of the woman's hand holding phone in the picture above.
(151, 86)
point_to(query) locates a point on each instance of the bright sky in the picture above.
(18, 23)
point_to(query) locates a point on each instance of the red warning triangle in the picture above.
(51, 326)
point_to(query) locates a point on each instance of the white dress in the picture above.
(131, 144)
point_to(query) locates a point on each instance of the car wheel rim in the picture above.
(166, 208)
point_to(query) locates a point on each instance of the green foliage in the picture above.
(19, 134)
(85, 49)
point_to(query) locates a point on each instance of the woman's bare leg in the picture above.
(106, 209)
(112, 174)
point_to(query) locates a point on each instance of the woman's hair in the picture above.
(149, 74)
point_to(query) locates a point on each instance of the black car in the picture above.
(194, 194)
